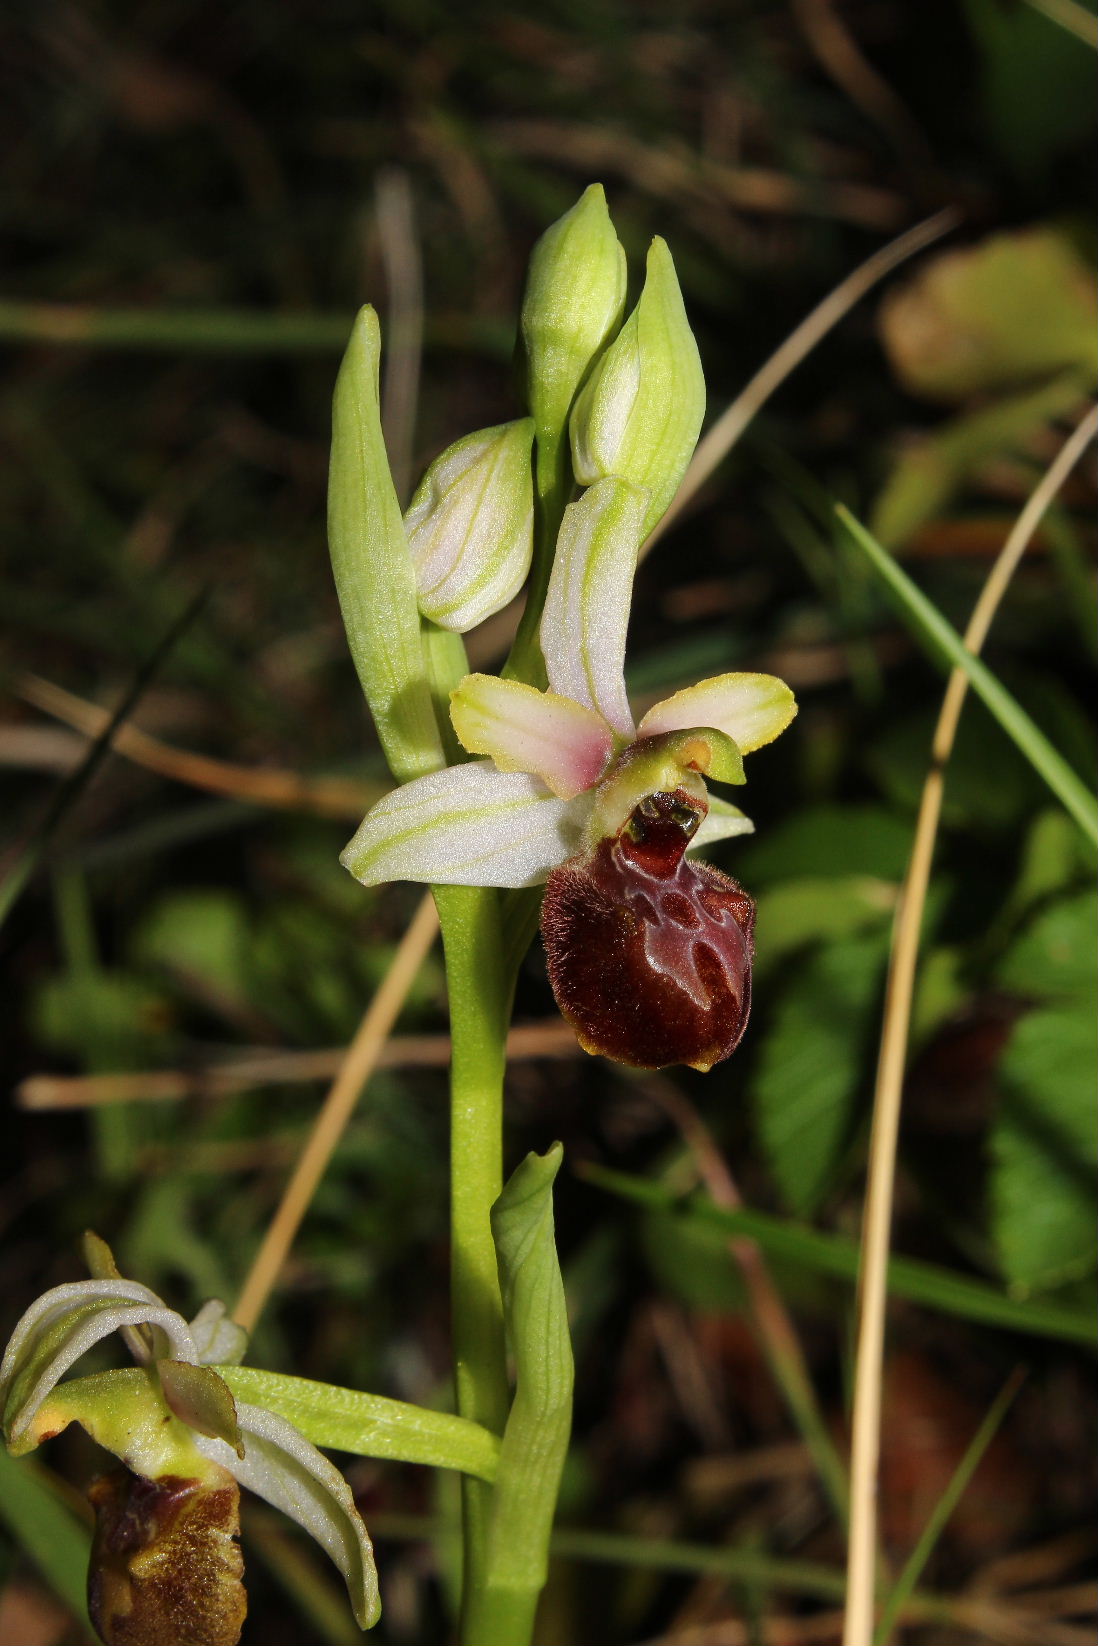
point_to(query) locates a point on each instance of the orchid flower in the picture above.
(569, 768)
(165, 1561)
(649, 953)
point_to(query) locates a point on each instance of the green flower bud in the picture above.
(574, 301)
(639, 414)
(470, 526)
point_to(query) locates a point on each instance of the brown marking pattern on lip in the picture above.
(166, 1566)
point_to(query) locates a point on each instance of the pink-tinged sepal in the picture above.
(523, 730)
(650, 953)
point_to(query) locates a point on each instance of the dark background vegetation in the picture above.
(182, 159)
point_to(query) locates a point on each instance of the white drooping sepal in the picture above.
(468, 825)
(470, 526)
(639, 414)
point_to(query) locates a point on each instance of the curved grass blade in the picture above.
(945, 644)
(970, 1462)
(835, 1255)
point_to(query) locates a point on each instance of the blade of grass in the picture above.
(945, 644)
(223, 331)
(51, 1537)
(837, 1256)
(213, 331)
(905, 1584)
(899, 994)
(982, 1617)
(70, 790)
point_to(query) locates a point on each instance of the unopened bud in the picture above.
(573, 304)
(639, 414)
(470, 526)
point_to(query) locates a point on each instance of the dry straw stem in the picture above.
(327, 797)
(715, 446)
(355, 1071)
(843, 59)
(1071, 16)
(551, 1038)
(876, 1230)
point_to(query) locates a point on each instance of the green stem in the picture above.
(480, 997)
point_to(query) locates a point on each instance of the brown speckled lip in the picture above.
(166, 1566)
(650, 954)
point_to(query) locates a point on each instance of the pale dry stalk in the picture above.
(900, 988)
(331, 1122)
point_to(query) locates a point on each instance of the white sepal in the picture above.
(468, 825)
(586, 614)
(723, 821)
(63, 1324)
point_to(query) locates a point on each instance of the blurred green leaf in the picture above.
(52, 1537)
(200, 934)
(812, 1066)
(1006, 312)
(1038, 83)
(104, 1019)
(989, 785)
(801, 912)
(1054, 958)
(933, 468)
(1053, 857)
(857, 840)
(1043, 1145)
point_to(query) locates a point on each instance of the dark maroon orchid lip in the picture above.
(649, 953)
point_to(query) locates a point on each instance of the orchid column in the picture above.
(649, 952)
